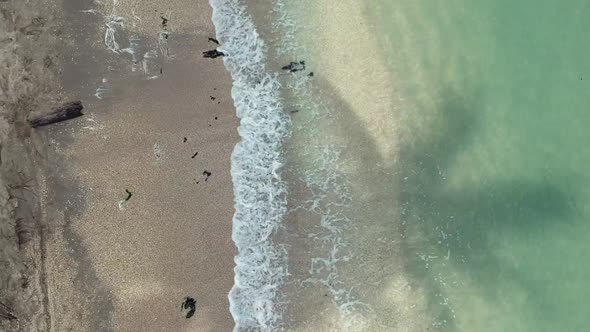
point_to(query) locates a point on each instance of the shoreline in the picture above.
(342, 141)
(257, 162)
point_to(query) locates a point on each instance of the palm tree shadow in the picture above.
(410, 202)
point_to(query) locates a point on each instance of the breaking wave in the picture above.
(257, 161)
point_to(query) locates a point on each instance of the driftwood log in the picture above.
(61, 113)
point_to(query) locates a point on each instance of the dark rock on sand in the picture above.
(212, 54)
(206, 174)
(294, 66)
(189, 306)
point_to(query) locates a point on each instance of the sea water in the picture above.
(493, 166)
(429, 175)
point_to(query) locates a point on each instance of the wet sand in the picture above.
(128, 266)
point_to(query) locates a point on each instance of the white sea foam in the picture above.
(260, 194)
(114, 25)
(146, 54)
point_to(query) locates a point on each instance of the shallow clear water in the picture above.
(437, 169)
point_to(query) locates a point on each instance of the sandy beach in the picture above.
(158, 130)
(29, 36)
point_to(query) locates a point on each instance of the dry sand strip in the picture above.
(29, 36)
(141, 221)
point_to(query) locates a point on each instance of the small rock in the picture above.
(212, 54)
(294, 66)
(206, 174)
(189, 306)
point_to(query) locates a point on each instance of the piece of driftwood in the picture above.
(64, 112)
(213, 40)
(129, 194)
(6, 312)
(212, 54)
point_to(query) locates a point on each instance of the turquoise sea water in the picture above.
(432, 178)
(497, 180)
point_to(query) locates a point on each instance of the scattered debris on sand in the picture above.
(125, 202)
(158, 153)
(129, 194)
(206, 174)
(213, 40)
(212, 54)
(189, 306)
